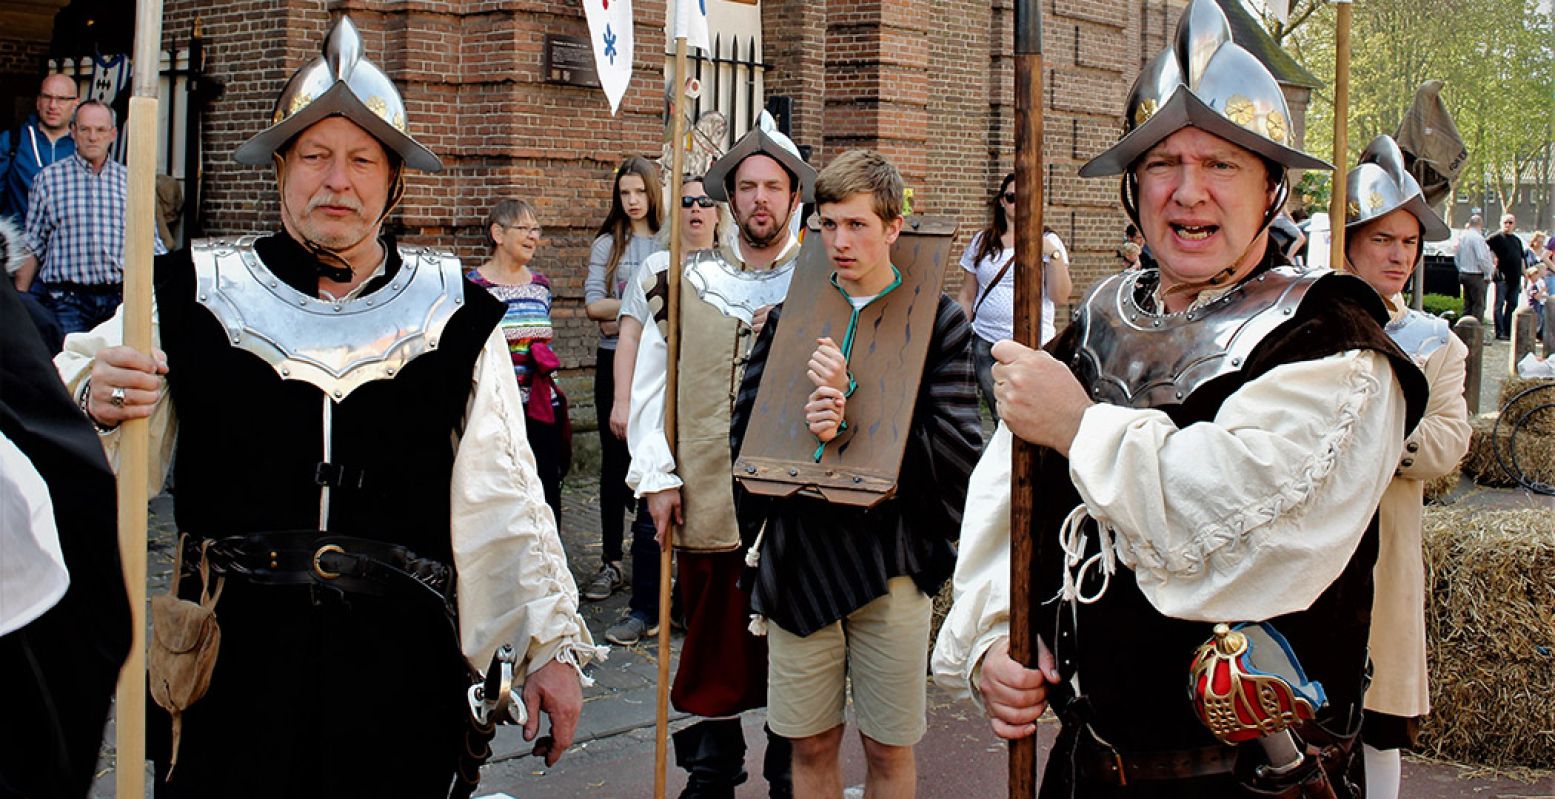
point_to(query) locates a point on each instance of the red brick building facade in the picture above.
(928, 82)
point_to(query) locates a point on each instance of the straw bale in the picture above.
(1535, 453)
(1541, 422)
(1438, 487)
(1490, 627)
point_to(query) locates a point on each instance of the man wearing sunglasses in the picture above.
(733, 283)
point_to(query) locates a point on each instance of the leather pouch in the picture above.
(185, 639)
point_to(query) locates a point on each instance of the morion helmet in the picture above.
(764, 139)
(1204, 80)
(1378, 186)
(340, 82)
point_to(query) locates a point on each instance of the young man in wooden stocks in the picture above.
(1386, 224)
(846, 590)
(1217, 433)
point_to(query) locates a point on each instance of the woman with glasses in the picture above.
(514, 234)
(625, 240)
(988, 287)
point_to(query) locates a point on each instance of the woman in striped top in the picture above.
(515, 234)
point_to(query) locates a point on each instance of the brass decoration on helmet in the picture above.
(1145, 111)
(340, 82)
(1380, 178)
(1204, 80)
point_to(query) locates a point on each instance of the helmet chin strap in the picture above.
(1130, 192)
(332, 264)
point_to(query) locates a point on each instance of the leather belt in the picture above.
(1100, 764)
(101, 289)
(346, 563)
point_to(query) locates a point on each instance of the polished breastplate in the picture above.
(1130, 356)
(736, 293)
(1419, 334)
(337, 346)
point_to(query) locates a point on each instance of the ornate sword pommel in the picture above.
(1245, 683)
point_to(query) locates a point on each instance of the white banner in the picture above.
(691, 23)
(610, 29)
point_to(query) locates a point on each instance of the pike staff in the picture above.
(1337, 200)
(1028, 327)
(134, 446)
(671, 386)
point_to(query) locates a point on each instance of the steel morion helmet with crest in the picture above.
(340, 82)
(1207, 81)
(1379, 185)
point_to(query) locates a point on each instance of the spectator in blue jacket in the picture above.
(43, 139)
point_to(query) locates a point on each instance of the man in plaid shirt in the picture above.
(75, 225)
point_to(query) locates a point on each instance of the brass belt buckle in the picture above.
(318, 562)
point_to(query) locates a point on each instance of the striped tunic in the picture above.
(528, 319)
(820, 562)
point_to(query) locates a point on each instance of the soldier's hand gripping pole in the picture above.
(1028, 331)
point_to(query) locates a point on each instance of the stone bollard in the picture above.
(1473, 334)
(1525, 336)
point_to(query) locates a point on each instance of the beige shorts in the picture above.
(881, 648)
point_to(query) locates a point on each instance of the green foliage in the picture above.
(1439, 304)
(1494, 55)
(1313, 191)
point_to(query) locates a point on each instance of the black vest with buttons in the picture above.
(1132, 661)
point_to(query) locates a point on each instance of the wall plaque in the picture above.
(570, 60)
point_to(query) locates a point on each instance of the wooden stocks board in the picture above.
(861, 466)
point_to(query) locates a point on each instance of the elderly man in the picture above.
(1475, 266)
(75, 224)
(1385, 228)
(43, 139)
(348, 462)
(1216, 435)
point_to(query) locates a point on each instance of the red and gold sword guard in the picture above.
(1245, 683)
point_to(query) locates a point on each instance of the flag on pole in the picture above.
(691, 23)
(610, 29)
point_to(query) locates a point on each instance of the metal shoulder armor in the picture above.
(336, 346)
(1129, 356)
(736, 293)
(1419, 334)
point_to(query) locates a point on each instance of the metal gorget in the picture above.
(1419, 334)
(336, 346)
(735, 293)
(1133, 357)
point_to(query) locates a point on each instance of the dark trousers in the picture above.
(545, 440)
(78, 308)
(614, 497)
(644, 602)
(1473, 295)
(1506, 304)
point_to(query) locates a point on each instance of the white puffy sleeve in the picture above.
(653, 464)
(514, 584)
(1254, 514)
(980, 615)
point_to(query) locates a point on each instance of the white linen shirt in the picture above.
(1243, 518)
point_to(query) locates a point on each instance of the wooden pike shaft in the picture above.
(134, 446)
(1028, 331)
(671, 386)
(1337, 199)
